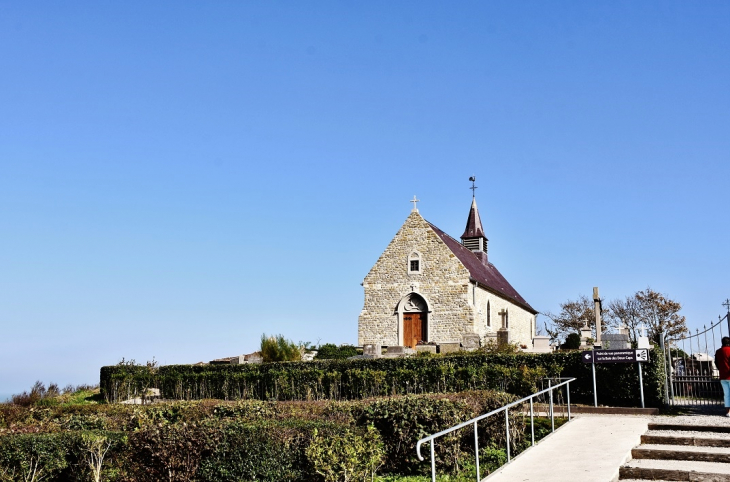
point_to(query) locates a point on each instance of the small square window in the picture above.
(415, 265)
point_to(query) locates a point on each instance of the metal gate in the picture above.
(692, 377)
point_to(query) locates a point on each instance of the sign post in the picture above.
(641, 385)
(616, 356)
(595, 393)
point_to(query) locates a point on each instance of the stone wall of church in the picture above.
(443, 282)
(521, 322)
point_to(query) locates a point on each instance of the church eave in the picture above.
(524, 306)
(486, 274)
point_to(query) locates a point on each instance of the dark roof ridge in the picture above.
(485, 274)
(445, 233)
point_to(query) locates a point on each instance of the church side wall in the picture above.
(521, 322)
(443, 283)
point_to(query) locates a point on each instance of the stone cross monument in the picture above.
(597, 309)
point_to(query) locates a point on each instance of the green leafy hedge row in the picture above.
(363, 378)
(249, 440)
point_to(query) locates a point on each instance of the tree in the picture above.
(660, 314)
(654, 310)
(277, 348)
(95, 449)
(625, 312)
(573, 316)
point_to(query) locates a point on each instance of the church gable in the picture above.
(416, 261)
(415, 241)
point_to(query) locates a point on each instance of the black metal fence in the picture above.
(693, 379)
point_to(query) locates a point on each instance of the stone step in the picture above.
(643, 480)
(670, 438)
(674, 452)
(675, 470)
(690, 428)
(614, 410)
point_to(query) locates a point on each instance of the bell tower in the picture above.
(473, 238)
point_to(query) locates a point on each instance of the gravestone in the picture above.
(253, 358)
(470, 342)
(425, 348)
(541, 344)
(449, 347)
(309, 355)
(502, 336)
(395, 350)
(615, 341)
(374, 350)
(585, 334)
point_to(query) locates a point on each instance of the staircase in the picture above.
(696, 453)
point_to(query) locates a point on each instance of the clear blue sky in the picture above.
(177, 178)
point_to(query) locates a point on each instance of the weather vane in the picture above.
(473, 187)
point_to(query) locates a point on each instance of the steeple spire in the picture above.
(473, 237)
(473, 223)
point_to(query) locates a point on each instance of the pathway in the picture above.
(591, 448)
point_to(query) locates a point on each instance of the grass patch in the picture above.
(82, 397)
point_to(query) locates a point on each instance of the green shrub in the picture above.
(349, 455)
(402, 421)
(33, 457)
(126, 381)
(278, 349)
(572, 342)
(171, 452)
(330, 351)
(292, 450)
(252, 440)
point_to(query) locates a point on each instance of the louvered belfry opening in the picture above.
(473, 238)
(474, 244)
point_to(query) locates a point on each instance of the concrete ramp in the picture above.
(591, 448)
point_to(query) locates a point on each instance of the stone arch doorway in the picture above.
(413, 317)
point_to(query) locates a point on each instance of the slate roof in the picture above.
(486, 274)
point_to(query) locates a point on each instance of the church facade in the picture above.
(427, 287)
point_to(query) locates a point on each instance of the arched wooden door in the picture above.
(414, 328)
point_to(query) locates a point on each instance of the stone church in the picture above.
(427, 287)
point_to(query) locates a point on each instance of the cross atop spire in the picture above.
(414, 201)
(473, 237)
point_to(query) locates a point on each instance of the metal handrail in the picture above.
(505, 408)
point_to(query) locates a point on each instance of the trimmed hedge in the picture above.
(363, 378)
(253, 440)
(330, 351)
